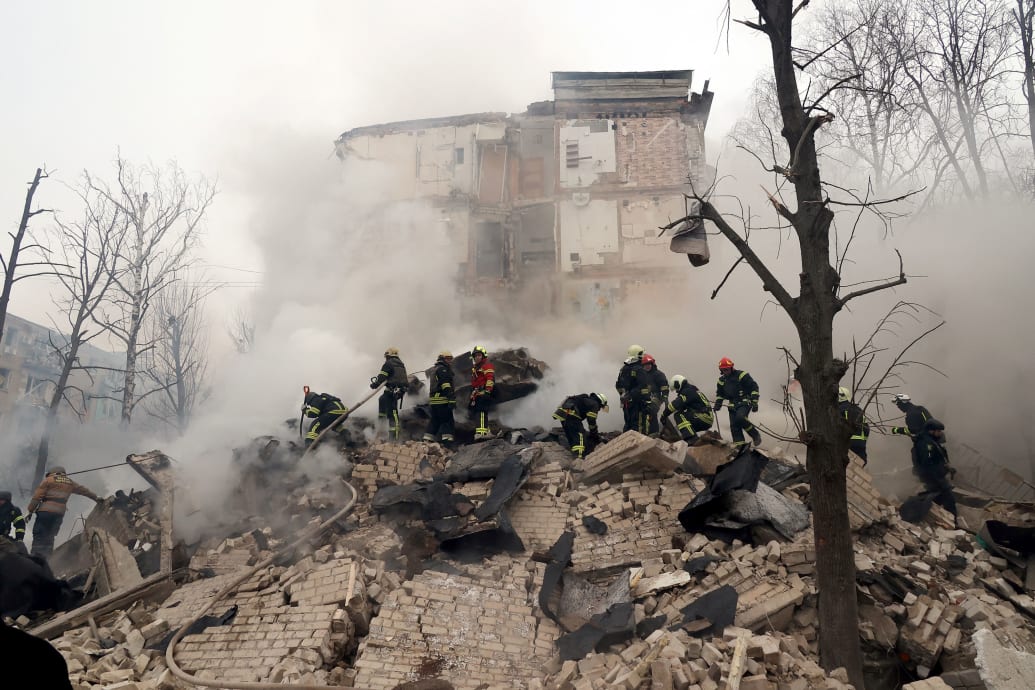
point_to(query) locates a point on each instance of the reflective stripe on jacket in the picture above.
(52, 494)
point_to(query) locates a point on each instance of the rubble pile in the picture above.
(507, 565)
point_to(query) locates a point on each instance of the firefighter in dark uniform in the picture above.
(442, 399)
(11, 518)
(483, 383)
(853, 414)
(741, 393)
(574, 409)
(691, 407)
(626, 383)
(393, 376)
(325, 408)
(931, 465)
(916, 416)
(649, 396)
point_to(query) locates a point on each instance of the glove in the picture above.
(717, 406)
(665, 413)
(373, 382)
(754, 407)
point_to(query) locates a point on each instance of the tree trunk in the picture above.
(1025, 17)
(16, 247)
(43, 453)
(181, 392)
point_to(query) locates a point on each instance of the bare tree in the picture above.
(812, 312)
(1024, 16)
(241, 329)
(85, 264)
(178, 363)
(165, 211)
(12, 262)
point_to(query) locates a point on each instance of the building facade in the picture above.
(558, 207)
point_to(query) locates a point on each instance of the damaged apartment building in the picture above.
(560, 205)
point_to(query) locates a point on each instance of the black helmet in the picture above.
(5, 496)
(934, 425)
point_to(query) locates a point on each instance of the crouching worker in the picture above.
(442, 400)
(325, 408)
(691, 407)
(574, 409)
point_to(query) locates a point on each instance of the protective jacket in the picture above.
(690, 400)
(853, 414)
(11, 516)
(52, 494)
(583, 406)
(738, 388)
(916, 417)
(392, 374)
(319, 404)
(441, 384)
(650, 385)
(483, 379)
(928, 453)
(628, 376)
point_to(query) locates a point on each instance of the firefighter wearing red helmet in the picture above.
(740, 393)
(649, 396)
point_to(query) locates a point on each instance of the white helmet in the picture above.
(635, 351)
(677, 382)
(901, 398)
(603, 400)
(843, 394)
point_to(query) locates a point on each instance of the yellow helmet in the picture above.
(635, 351)
(392, 352)
(843, 394)
(479, 350)
(445, 354)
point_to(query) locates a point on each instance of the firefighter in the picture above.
(570, 414)
(916, 416)
(691, 407)
(740, 392)
(483, 382)
(442, 399)
(325, 408)
(11, 518)
(931, 466)
(49, 503)
(393, 376)
(649, 396)
(626, 383)
(853, 414)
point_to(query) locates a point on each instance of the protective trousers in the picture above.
(573, 431)
(321, 423)
(479, 411)
(44, 530)
(690, 424)
(647, 418)
(739, 424)
(388, 408)
(629, 415)
(936, 485)
(858, 446)
(441, 423)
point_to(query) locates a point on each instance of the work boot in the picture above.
(428, 437)
(482, 435)
(756, 437)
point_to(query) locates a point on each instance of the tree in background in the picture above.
(12, 261)
(164, 211)
(1024, 18)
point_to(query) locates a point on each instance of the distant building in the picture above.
(29, 370)
(561, 204)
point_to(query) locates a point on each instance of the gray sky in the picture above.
(212, 83)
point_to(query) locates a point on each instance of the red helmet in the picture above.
(725, 363)
(648, 359)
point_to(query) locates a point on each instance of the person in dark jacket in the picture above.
(49, 504)
(34, 662)
(393, 376)
(325, 408)
(691, 407)
(853, 414)
(11, 518)
(441, 399)
(649, 396)
(740, 392)
(916, 416)
(931, 466)
(628, 377)
(574, 409)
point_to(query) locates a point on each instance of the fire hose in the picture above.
(170, 658)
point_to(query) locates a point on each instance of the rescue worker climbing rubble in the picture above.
(649, 396)
(393, 376)
(442, 400)
(916, 416)
(325, 408)
(11, 518)
(740, 392)
(931, 466)
(628, 377)
(49, 503)
(483, 382)
(853, 414)
(574, 409)
(691, 407)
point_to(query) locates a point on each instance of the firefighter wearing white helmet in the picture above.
(393, 376)
(441, 399)
(571, 413)
(627, 382)
(691, 408)
(856, 420)
(916, 416)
